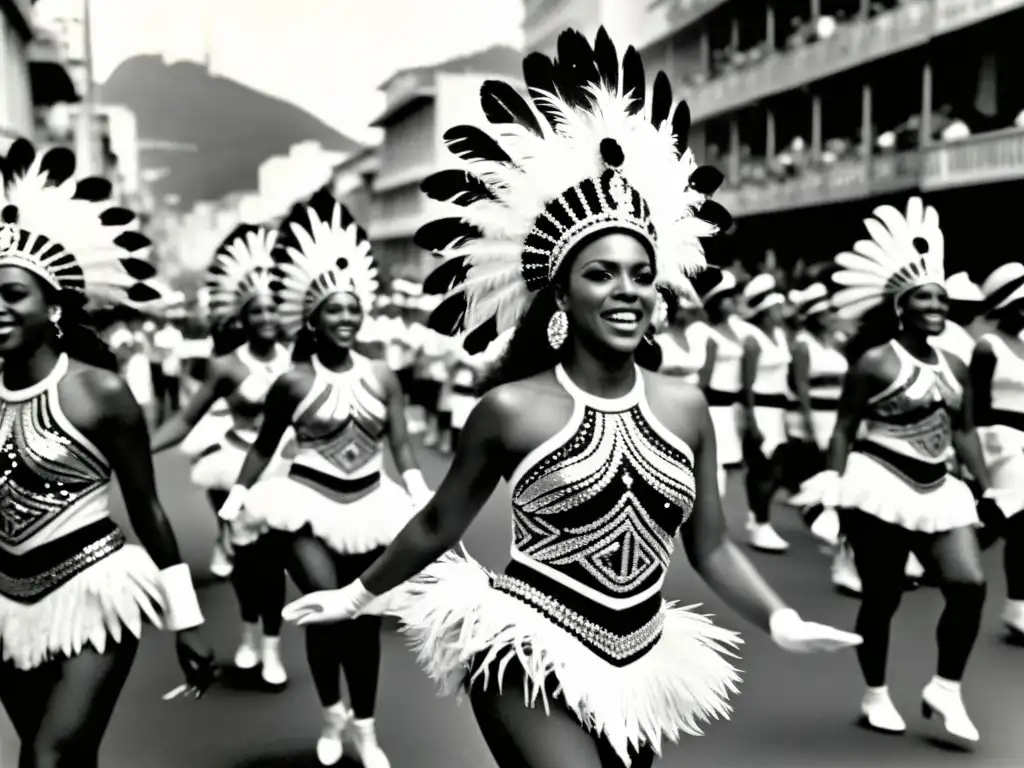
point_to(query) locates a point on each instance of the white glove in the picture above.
(181, 605)
(329, 605)
(232, 506)
(417, 487)
(793, 634)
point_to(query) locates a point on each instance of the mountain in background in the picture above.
(233, 127)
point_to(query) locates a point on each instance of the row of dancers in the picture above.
(580, 220)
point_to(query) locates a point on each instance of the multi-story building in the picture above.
(15, 79)
(352, 182)
(421, 104)
(819, 110)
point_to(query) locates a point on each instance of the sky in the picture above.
(326, 56)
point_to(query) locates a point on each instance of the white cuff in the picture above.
(831, 483)
(781, 620)
(181, 605)
(232, 506)
(415, 484)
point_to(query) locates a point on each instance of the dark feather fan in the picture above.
(501, 104)
(444, 233)
(446, 277)
(470, 143)
(457, 187)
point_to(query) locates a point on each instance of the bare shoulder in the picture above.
(526, 412)
(956, 364)
(91, 395)
(296, 382)
(879, 362)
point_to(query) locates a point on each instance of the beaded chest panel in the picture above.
(43, 471)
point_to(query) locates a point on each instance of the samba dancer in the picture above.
(334, 512)
(905, 408)
(566, 218)
(244, 310)
(74, 595)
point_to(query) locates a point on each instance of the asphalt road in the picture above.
(793, 711)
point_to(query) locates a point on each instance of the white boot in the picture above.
(766, 539)
(1013, 616)
(362, 737)
(273, 669)
(221, 565)
(942, 697)
(329, 749)
(844, 571)
(914, 569)
(826, 527)
(880, 713)
(247, 656)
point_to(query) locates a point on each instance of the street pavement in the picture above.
(792, 711)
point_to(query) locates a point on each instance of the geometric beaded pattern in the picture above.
(604, 507)
(344, 422)
(43, 471)
(618, 648)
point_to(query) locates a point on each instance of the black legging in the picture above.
(62, 708)
(1013, 556)
(880, 552)
(521, 736)
(258, 578)
(352, 646)
(762, 480)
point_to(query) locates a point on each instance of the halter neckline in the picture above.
(606, 404)
(21, 395)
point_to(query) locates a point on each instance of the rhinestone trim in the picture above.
(31, 588)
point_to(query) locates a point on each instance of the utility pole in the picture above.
(87, 121)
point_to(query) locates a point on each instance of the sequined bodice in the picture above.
(341, 424)
(596, 507)
(51, 478)
(913, 415)
(246, 402)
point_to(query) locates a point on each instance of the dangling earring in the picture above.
(558, 329)
(55, 319)
(660, 317)
(899, 320)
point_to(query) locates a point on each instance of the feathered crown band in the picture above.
(240, 270)
(321, 251)
(904, 252)
(70, 233)
(591, 151)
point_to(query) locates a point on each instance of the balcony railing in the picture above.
(954, 14)
(984, 159)
(846, 180)
(853, 44)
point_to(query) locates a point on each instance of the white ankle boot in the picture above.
(1013, 616)
(362, 738)
(766, 539)
(914, 569)
(844, 571)
(273, 669)
(248, 656)
(942, 697)
(826, 527)
(880, 713)
(329, 747)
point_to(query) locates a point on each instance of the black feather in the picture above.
(442, 233)
(448, 315)
(117, 217)
(634, 84)
(575, 67)
(141, 292)
(606, 58)
(454, 186)
(58, 164)
(139, 269)
(19, 158)
(661, 99)
(539, 75)
(681, 127)
(132, 241)
(717, 215)
(94, 189)
(502, 104)
(470, 143)
(481, 337)
(706, 179)
(450, 274)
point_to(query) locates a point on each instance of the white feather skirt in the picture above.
(1003, 450)
(347, 526)
(114, 596)
(458, 621)
(206, 434)
(868, 486)
(726, 421)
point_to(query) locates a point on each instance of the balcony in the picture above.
(846, 180)
(984, 159)
(955, 14)
(853, 44)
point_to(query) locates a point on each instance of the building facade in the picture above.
(819, 110)
(16, 118)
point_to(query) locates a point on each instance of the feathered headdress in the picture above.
(241, 270)
(904, 252)
(70, 233)
(320, 251)
(591, 151)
